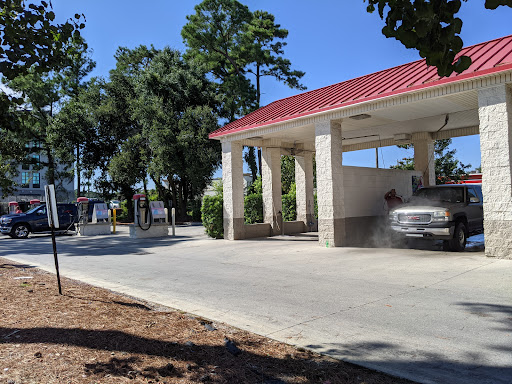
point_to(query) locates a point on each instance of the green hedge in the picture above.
(316, 206)
(253, 208)
(212, 216)
(289, 207)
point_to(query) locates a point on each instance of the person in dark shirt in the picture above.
(392, 199)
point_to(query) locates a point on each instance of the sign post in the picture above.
(53, 221)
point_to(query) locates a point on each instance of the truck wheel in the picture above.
(20, 231)
(458, 243)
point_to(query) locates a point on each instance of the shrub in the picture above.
(316, 206)
(212, 216)
(289, 207)
(255, 187)
(290, 204)
(122, 214)
(218, 187)
(253, 208)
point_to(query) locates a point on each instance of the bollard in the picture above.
(173, 221)
(114, 221)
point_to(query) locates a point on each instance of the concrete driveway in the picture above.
(428, 316)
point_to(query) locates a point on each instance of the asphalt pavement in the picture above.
(422, 314)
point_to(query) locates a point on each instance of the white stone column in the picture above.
(424, 160)
(233, 189)
(329, 183)
(495, 112)
(271, 184)
(304, 193)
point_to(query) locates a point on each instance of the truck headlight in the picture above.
(441, 215)
(6, 220)
(393, 216)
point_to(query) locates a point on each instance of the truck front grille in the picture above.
(412, 218)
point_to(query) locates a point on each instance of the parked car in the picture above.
(447, 212)
(35, 220)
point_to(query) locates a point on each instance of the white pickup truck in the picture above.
(449, 212)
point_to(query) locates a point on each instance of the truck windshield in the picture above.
(449, 195)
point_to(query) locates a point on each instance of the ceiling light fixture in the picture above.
(361, 116)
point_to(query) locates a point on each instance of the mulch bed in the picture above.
(92, 335)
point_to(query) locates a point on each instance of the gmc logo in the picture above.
(413, 217)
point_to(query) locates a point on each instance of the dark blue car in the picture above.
(35, 220)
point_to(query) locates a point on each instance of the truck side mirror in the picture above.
(473, 199)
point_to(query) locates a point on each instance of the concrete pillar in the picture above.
(495, 113)
(424, 160)
(271, 184)
(233, 189)
(329, 183)
(305, 188)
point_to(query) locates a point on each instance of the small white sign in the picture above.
(51, 205)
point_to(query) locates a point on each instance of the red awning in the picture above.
(487, 58)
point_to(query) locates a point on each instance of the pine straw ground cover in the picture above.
(91, 335)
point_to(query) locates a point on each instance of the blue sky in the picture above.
(330, 40)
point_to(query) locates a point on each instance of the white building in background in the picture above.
(31, 182)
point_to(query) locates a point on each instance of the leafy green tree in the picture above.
(30, 42)
(128, 167)
(234, 43)
(287, 173)
(447, 166)
(71, 131)
(176, 108)
(30, 38)
(72, 134)
(215, 36)
(264, 39)
(250, 159)
(41, 103)
(113, 103)
(431, 27)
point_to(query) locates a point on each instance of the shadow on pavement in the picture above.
(420, 366)
(89, 246)
(500, 314)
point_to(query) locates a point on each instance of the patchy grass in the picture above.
(92, 335)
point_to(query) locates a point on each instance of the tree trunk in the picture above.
(51, 167)
(251, 160)
(145, 189)
(258, 88)
(78, 171)
(181, 212)
(258, 98)
(172, 186)
(128, 195)
(161, 191)
(259, 160)
(185, 196)
(184, 201)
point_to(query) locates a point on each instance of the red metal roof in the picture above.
(489, 57)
